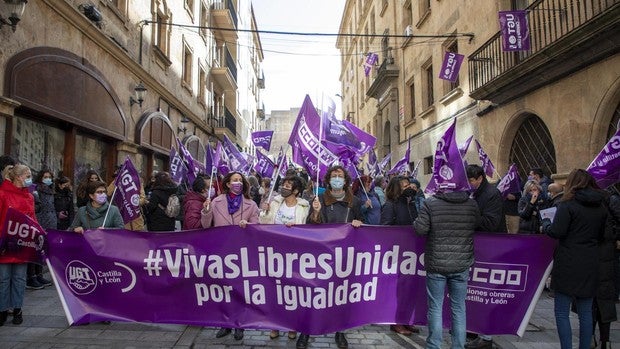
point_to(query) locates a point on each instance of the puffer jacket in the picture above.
(301, 211)
(44, 206)
(448, 220)
(489, 200)
(19, 199)
(579, 225)
(156, 218)
(400, 212)
(191, 208)
(63, 202)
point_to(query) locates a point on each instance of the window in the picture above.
(203, 20)
(429, 98)
(188, 57)
(189, 6)
(448, 85)
(407, 14)
(428, 165)
(372, 23)
(412, 99)
(202, 85)
(161, 36)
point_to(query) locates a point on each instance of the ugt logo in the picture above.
(80, 277)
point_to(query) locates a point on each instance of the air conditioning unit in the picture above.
(409, 30)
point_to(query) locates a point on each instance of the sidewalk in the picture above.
(45, 326)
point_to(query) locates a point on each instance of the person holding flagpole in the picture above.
(93, 214)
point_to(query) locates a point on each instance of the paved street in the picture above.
(45, 326)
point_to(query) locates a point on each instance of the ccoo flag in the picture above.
(510, 183)
(178, 170)
(127, 193)
(262, 139)
(448, 171)
(605, 168)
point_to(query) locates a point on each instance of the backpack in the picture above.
(173, 208)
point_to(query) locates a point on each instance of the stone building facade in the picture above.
(553, 106)
(70, 71)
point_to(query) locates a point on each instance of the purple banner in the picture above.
(515, 30)
(448, 170)
(451, 66)
(371, 60)
(127, 192)
(605, 168)
(315, 279)
(510, 183)
(192, 168)
(487, 165)
(262, 139)
(22, 239)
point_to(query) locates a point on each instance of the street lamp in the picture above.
(140, 92)
(11, 12)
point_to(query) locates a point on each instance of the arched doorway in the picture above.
(613, 124)
(533, 147)
(387, 139)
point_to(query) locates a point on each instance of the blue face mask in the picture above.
(336, 183)
(47, 181)
(27, 182)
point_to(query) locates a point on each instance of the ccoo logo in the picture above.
(80, 277)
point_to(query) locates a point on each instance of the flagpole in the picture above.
(318, 158)
(362, 183)
(109, 205)
(210, 184)
(275, 174)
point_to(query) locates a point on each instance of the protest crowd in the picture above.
(231, 189)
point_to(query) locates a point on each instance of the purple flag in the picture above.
(451, 66)
(510, 183)
(264, 166)
(178, 170)
(371, 60)
(284, 167)
(448, 171)
(209, 159)
(487, 165)
(240, 277)
(262, 139)
(304, 141)
(515, 30)
(127, 193)
(22, 238)
(192, 170)
(465, 146)
(221, 160)
(373, 166)
(236, 160)
(386, 160)
(414, 174)
(605, 168)
(402, 165)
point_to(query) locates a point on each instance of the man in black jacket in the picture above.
(492, 220)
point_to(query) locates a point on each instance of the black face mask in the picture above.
(285, 192)
(409, 192)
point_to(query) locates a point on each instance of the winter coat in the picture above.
(218, 215)
(381, 194)
(63, 203)
(156, 218)
(370, 215)
(579, 224)
(44, 206)
(192, 207)
(605, 298)
(16, 198)
(334, 211)
(449, 220)
(400, 212)
(301, 211)
(529, 214)
(489, 201)
(89, 217)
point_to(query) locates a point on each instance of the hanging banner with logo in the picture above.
(316, 279)
(515, 30)
(371, 60)
(450, 67)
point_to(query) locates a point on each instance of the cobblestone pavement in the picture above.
(45, 326)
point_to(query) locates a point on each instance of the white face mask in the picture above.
(261, 191)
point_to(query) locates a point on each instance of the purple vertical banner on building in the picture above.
(605, 168)
(262, 139)
(127, 193)
(451, 66)
(515, 30)
(371, 60)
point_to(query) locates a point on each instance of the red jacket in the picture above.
(16, 198)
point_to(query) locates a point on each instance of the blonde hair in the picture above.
(529, 185)
(12, 172)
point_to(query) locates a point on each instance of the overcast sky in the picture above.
(298, 65)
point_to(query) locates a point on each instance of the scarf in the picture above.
(234, 202)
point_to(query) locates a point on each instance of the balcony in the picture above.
(566, 36)
(225, 123)
(224, 70)
(225, 19)
(384, 75)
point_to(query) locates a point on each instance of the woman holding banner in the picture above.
(14, 193)
(233, 207)
(98, 213)
(289, 209)
(579, 224)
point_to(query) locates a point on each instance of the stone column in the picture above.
(7, 111)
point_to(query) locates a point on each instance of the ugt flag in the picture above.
(127, 192)
(605, 168)
(451, 66)
(262, 139)
(448, 171)
(487, 165)
(22, 239)
(515, 30)
(510, 183)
